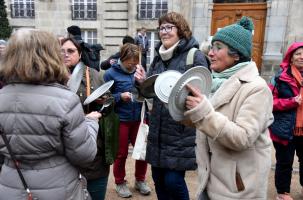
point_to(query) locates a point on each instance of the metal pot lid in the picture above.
(147, 87)
(76, 77)
(198, 77)
(165, 83)
(136, 95)
(98, 92)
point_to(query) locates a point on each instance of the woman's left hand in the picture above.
(194, 97)
(94, 115)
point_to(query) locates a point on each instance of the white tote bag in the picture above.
(139, 150)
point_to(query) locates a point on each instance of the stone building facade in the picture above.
(109, 20)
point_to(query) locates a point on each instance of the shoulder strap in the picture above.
(190, 56)
(15, 163)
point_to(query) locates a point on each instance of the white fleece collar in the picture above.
(167, 54)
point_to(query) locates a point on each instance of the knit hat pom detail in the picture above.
(237, 36)
(246, 23)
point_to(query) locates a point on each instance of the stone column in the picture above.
(295, 24)
(201, 17)
(275, 36)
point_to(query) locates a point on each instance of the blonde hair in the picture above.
(33, 56)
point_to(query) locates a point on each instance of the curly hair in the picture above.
(33, 56)
(179, 21)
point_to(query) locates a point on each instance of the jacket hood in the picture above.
(184, 45)
(286, 60)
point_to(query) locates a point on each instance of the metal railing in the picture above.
(151, 11)
(84, 12)
(22, 10)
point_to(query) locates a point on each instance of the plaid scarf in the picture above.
(299, 116)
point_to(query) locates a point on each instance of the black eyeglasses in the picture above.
(68, 51)
(167, 29)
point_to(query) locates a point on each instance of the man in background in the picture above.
(142, 40)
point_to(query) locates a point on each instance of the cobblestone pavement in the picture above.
(191, 183)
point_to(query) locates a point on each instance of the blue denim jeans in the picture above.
(97, 188)
(284, 161)
(170, 184)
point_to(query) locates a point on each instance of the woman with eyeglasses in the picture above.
(43, 121)
(171, 145)
(233, 143)
(129, 111)
(96, 172)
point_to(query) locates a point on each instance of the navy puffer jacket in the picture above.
(124, 82)
(171, 144)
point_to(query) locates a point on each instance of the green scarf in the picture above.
(219, 78)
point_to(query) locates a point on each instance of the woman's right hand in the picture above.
(140, 75)
(194, 99)
(94, 115)
(298, 99)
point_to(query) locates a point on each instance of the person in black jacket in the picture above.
(106, 64)
(142, 41)
(171, 145)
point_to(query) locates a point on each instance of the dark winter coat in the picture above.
(284, 88)
(171, 144)
(98, 168)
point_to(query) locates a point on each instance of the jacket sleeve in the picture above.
(107, 77)
(106, 63)
(282, 104)
(79, 135)
(147, 44)
(137, 40)
(250, 121)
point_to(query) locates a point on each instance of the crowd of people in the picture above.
(55, 146)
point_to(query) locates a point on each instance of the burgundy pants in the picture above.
(128, 132)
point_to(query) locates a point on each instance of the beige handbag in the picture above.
(139, 150)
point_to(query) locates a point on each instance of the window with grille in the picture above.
(239, 1)
(22, 9)
(84, 10)
(89, 36)
(151, 9)
(153, 40)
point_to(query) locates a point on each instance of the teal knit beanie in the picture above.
(238, 36)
